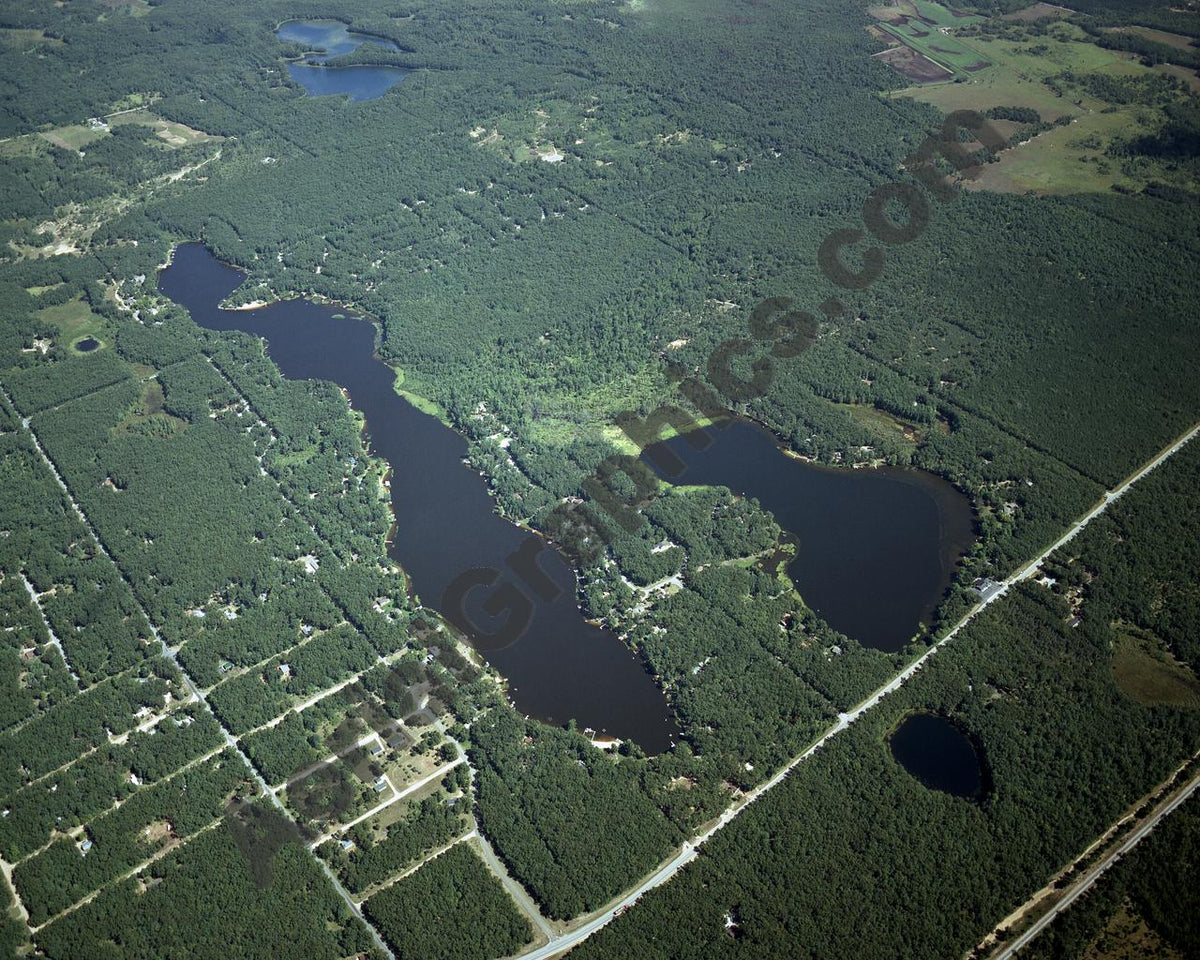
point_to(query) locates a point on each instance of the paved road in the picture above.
(688, 853)
(1097, 871)
(689, 850)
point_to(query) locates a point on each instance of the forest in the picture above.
(453, 908)
(1153, 886)
(189, 903)
(134, 832)
(537, 305)
(1068, 749)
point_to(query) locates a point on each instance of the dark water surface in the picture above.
(359, 82)
(561, 667)
(939, 754)
(876, 549)
(87, 344)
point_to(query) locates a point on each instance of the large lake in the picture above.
(562, 667)
(876, 549)
(326, 39)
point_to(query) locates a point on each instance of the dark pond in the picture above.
(939, 754)
(561, 667)
(876, 549)
(87, 345)
(332, 39)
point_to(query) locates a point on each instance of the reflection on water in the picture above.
(332, 39)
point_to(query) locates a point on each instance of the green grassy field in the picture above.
(919, 24)
(1145, 671)
(945, 50)
(1069, 159)
(75, 320)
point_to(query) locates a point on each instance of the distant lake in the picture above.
(939, 754)
(562, 667)
(876, 549)
(328, 39)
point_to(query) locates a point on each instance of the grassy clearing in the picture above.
(24, 39)
(1064, 160)
(1038, 11)
(134, 8)
(881, 423)
(74, 320)
(73, 137)
(79, 135)
(1069, 159)
(1174, 40)
(38, 291)
(1127, 936)
(1147, 672)
(149, 415)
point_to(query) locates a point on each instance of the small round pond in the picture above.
(87, 345)
(939, 754)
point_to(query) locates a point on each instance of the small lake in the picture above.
(876, 549)
(87, 345)
(562, 667)
(935, 751)
(330, 38)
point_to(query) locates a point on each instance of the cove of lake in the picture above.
(876, 549)
(904, 526)
(332, 39)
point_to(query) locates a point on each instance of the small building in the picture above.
(85, 847)
(377, 749)
(226, 666)
(986, 588)
(399, 740)
(1074, 622)
(286, 670)
(381, 784)
(346, 845)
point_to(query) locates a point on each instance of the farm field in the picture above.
(1073, 158)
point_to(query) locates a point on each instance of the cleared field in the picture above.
(1064, 160)
(16, 37)
(881, 422)
(1038, 11)
(1146, 672)
(73, 137)
(79, 135)
(1174, 40)
(1068, 159)
(75, 319)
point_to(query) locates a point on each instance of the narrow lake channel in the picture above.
(562, 667)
